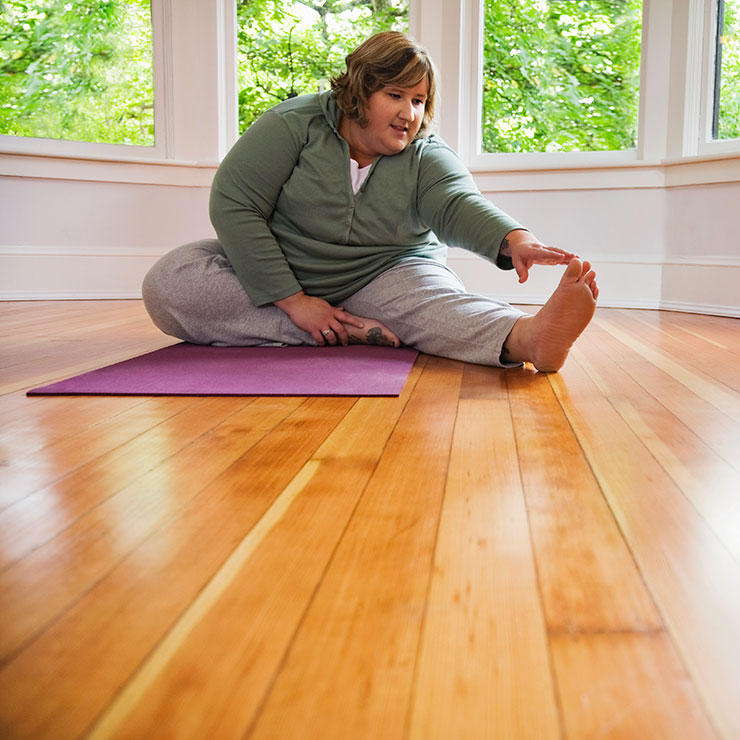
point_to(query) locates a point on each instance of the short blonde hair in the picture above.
(387, 58)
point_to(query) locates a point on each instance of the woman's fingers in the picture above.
(340, 333)
(557, 255)
(326, 336)
(348, 318)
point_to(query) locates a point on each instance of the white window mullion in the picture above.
(471, 98)
(706, 144)
(696, 74)
(655, 120)
(163, 103)
(228, 115)
(437, 26)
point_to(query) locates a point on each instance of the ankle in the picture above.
(517, 346)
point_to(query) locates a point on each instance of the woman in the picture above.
(331, 213)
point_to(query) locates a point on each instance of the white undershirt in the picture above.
(358, 174)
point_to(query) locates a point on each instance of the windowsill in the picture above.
(553, 161)
(498, 173)
(118, 168)
(577, 173)
(705, 157)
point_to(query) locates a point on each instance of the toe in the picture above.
(572, 271)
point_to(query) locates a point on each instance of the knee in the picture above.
(175, 276)
(155, 286)
(167, 293)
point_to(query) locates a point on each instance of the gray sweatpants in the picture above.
(193, 293)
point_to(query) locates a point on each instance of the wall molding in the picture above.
(92, 169)
(711, 309)
(637, 175)
(59, 250)
(537, 175)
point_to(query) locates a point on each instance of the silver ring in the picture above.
(326, 332)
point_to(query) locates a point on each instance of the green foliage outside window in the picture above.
(78, 70)
(728, 119)
(287, 49)
(561, 75)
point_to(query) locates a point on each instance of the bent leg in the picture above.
(427, 306)
(193, 293)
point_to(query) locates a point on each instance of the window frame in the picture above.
(478, 160)
(674, 115)
(707, 20)
(162, 147)
(195, 110)
(676, 89)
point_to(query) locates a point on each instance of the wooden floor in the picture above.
(494, 553)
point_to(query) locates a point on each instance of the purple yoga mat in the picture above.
(194, 370)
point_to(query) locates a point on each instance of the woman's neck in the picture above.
(348, 130)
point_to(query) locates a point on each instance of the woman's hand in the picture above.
(324, 322)
(525, 250)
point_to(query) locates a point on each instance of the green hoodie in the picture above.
(283, 207)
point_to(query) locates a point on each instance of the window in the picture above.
(287, 49)
(560, 75)
(77, 70)
(726, 99)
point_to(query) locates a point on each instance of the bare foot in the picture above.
(372, 333)
(546, 338)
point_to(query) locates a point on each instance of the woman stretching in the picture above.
(331, 213)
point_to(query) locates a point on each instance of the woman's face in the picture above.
(394, 116)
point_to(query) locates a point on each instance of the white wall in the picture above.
(653, 245)
(81, 221)
(702, 264)
(662, 233)
(88, 239)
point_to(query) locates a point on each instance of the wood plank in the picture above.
(253, 573)
(717, 360)
(715, 428)
(588, 577)
(706, 479)
(484, 668)
(720, 330)
(349, 671)
(209, 675)
(693, 579)
(626, 686)
(721, 397)
(29, 424)
(54, 576)
(91, 650)
(44, 370)
(75, 339)
(34, 319)
(711, 332)
(40, 516)
(29, 473)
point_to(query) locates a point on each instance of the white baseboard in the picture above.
(712, 286)
(701, 308)
(74, 273)
(706, 285)
(80, 295)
